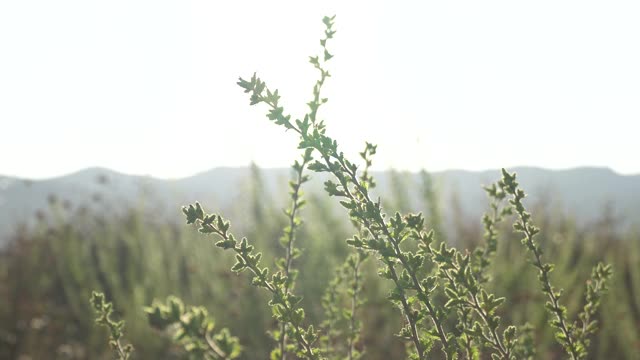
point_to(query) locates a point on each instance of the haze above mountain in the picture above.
(581, 192)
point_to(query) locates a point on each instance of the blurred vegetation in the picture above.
(48, 272)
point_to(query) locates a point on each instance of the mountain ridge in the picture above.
(102, 169)
(581, 191)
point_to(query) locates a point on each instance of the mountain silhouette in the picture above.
(583, 193)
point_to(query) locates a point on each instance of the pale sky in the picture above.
(137, 86)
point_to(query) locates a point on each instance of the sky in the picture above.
(149, 87)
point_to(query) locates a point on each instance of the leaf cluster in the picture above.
(193, 328)
(284, 304)
(104, 310)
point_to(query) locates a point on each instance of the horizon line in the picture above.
(110, 170)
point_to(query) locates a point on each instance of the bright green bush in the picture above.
(447, 306)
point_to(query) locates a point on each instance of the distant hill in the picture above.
(581, 192)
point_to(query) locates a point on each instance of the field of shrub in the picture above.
(48, 273)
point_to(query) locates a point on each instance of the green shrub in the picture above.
(447, 305)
